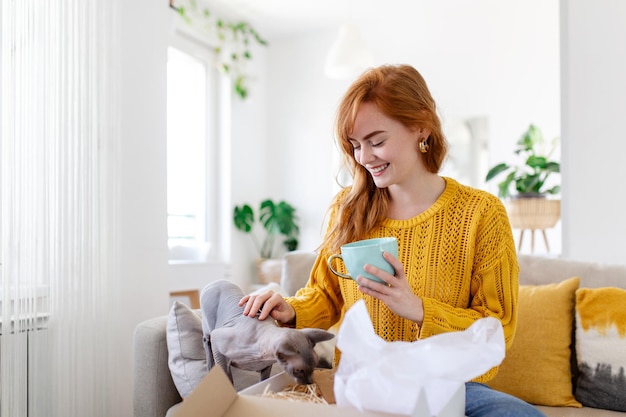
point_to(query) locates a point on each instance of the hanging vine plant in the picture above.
(232, 41)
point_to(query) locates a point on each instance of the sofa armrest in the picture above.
(154, 391)
(296, 270)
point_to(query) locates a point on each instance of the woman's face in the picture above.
(385, 147)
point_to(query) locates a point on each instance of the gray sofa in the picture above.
(155, 392)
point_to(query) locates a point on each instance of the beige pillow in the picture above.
(186, 355)
(537, 367)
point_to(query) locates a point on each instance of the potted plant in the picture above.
(232, 40)
(276, 218)
(279, 220)
(529, 179)
(525, 185)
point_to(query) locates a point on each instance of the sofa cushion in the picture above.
(186, 355)
(537, 367)
(297, 267)
(601, 347)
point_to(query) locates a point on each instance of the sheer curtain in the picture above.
(59, 149)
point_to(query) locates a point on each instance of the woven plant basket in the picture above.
(269, 270)
(533, 213)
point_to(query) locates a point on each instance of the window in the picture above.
(192, 148)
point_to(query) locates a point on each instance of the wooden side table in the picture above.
(191, 297)
(532, 240)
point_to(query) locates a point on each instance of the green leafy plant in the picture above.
(529, 178)
(277, 219)
(232, 40)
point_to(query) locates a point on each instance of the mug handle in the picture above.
(330, 266)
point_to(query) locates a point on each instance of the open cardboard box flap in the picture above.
(216, 397)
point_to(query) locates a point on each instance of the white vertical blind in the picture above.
(59, 186)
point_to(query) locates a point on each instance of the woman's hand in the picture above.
(268, 304)
(396, 293)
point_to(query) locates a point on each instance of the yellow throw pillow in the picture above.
(601, 347)
(537, 367)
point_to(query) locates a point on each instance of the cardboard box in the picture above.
(322, 377)
(216, 397)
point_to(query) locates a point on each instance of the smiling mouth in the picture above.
(378, 169)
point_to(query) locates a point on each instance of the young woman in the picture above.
(456, 262)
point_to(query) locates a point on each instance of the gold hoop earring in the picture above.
(423, 146)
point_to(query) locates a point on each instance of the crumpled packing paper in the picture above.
(377, 375)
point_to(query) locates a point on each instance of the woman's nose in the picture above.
(365, 155)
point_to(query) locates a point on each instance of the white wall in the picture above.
(144, 273)
(281, 137)
(480, 58)
(302, 103)
(594, 87)
(249, 165)
(142, 193)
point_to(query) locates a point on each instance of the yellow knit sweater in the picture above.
(459, 256)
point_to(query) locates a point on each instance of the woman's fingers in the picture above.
(267, 304)
(254, 303)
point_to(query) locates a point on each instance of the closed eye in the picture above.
(356, 145)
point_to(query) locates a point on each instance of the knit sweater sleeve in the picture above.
(319, 304)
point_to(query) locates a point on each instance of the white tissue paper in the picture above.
(390, 377)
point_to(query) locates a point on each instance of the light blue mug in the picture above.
(370, 251)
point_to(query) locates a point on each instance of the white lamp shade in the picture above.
(348, 55)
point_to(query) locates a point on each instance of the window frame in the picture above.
(188, 41)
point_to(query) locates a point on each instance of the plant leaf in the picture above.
(240, 89)
(528, 183)
(285, 219)
(554, 190)
(267, 215)
(552, 167)
(536, 162)
(244, 218)
(496, 170)
(291, 244)
(504, 186)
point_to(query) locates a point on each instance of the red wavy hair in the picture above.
(400, 92)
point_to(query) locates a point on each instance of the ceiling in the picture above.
(278, 18)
